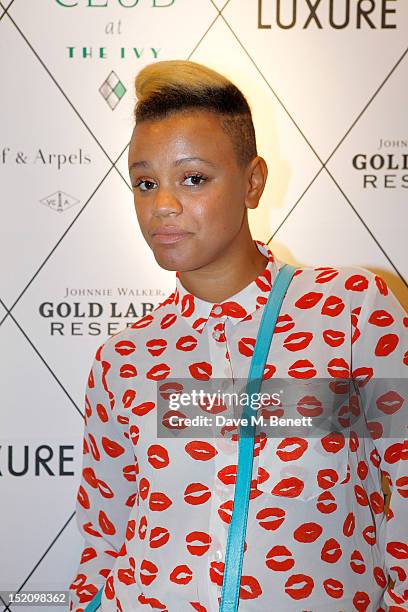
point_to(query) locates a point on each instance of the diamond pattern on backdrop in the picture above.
(297, 130)
(310, 68)
(123, 53)
(3, 5)
(40, 411)
(291, 161)
(62, 555)
(54, 563)
(121, 165)
(371, 146)
(108, 238)
(325, 229)
(55, 149)
(310, 95)
(112, 90)
(220, 4)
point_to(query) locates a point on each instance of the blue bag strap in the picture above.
(237, 527)
(95, 603)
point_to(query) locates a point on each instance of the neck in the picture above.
(239, 265)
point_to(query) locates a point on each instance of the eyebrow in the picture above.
(144, 164)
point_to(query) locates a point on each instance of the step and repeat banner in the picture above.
(328, 85)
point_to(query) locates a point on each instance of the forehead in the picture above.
(199, 129)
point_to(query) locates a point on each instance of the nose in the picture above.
(165, 202)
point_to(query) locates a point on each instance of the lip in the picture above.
(169, 234)
(169, 229)
(169, 238)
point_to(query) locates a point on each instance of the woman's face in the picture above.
(185, 174)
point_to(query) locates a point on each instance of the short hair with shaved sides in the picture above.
(174, 86)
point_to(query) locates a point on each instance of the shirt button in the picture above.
(217, 310)
(219, 328)
(218, 555)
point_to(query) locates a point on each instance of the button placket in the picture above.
(222, 373)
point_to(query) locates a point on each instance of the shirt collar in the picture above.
(238, 307)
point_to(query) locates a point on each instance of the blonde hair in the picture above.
(172, 86)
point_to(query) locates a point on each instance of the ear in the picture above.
(257, 173)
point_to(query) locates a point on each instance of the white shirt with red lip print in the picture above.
(154, 511)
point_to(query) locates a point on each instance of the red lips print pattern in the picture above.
(154, 512)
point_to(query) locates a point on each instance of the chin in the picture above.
(170, 267)
(180, 263)
(169, 261)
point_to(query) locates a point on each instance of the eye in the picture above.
(141, 182)
(196, 178)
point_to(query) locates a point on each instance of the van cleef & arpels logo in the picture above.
(41, 157)
(59, 201)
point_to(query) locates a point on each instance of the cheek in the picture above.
(138, 213)
(222, 210)
(215, 203)
(142, 216)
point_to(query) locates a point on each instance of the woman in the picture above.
(154, 508)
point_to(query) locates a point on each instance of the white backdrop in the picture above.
(329, 95)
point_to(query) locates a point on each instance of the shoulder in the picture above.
(348, 284)
(132, 338)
